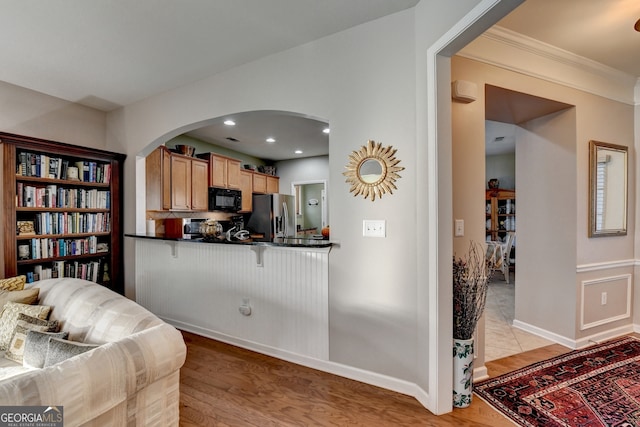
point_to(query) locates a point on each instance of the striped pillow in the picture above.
(9, 318)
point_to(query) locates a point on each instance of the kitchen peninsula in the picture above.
(270, 297)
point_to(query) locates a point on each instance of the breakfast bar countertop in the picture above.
(292, 242)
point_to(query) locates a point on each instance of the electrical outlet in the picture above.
(245, 308)
(603, 298)
(459, 228)
(374, 228)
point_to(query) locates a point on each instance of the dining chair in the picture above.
(499, 254)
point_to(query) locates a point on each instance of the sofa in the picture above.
(130, 378)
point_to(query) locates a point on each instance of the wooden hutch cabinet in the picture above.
(501, 212)
(61, 211)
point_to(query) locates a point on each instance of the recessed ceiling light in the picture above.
(229, 123)
(326, 130)
(298, 151)
(271, 140)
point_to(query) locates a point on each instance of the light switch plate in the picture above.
(374, 228)
(459, 228)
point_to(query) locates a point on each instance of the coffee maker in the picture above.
(237, 221)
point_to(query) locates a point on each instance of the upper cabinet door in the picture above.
(218, 177)
(180, 183)
(233, 173)
(199, 185)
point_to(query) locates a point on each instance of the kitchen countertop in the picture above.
(292, 242)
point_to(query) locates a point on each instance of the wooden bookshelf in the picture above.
(77, 222)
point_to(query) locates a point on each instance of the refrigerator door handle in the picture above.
(286, 220)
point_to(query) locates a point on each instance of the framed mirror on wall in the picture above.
(607, 189)
(373, 170)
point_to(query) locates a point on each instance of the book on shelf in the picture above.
(45, 248)
(25, 228)
(45, 166)
(91, 270)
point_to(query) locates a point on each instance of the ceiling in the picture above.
(106, 54)
(109, 53)
(600, 30)
(249, 135)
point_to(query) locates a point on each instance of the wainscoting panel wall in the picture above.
(605, 300)
(274, 296)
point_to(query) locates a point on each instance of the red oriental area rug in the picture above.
(596, 386)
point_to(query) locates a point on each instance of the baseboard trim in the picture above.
(361, 375)
(581, 342)
(604, 336)
(551, 336)
(480, 374)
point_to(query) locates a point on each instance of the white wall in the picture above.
(307, 169)
(503, 168)
(30, 113)
(546, 212)
(362, 82)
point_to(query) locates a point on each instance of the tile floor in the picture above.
(502, 339)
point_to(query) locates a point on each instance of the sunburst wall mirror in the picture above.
(373, 170)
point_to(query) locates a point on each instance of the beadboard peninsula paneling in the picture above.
(200, 287)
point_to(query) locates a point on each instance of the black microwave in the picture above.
(224, 199)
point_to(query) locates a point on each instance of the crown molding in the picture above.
(513, 51)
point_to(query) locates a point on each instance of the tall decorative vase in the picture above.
(462, 372)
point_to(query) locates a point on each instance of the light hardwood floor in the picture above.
(223, 385)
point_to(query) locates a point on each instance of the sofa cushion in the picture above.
(23, 326)
(24, 296)
(60, 350)
(35, 347)
(13, 283)
(9, 318)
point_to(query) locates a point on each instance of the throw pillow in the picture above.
(9, 318)
(23, 326)
(35, 347)
(13, 283)
(61, 350)
(24, 296)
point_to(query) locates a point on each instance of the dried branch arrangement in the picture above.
(470, 279)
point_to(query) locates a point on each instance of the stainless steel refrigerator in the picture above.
(273, 215)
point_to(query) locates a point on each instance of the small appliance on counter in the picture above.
(273, 216)
(183, 228)
(225, 199)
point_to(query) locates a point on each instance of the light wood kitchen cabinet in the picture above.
(199, 185)
(176, 182)
(265, 184)
(158, 179)
(273, 184)
(224, 172)
(180, 183)
(259, 183)
(246, 187)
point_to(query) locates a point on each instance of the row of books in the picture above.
(43, 166)
(53, 248)
(52, 196)
(65, 223)
(93, 271)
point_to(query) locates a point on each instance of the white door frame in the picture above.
(436, 309)
(325, 192)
